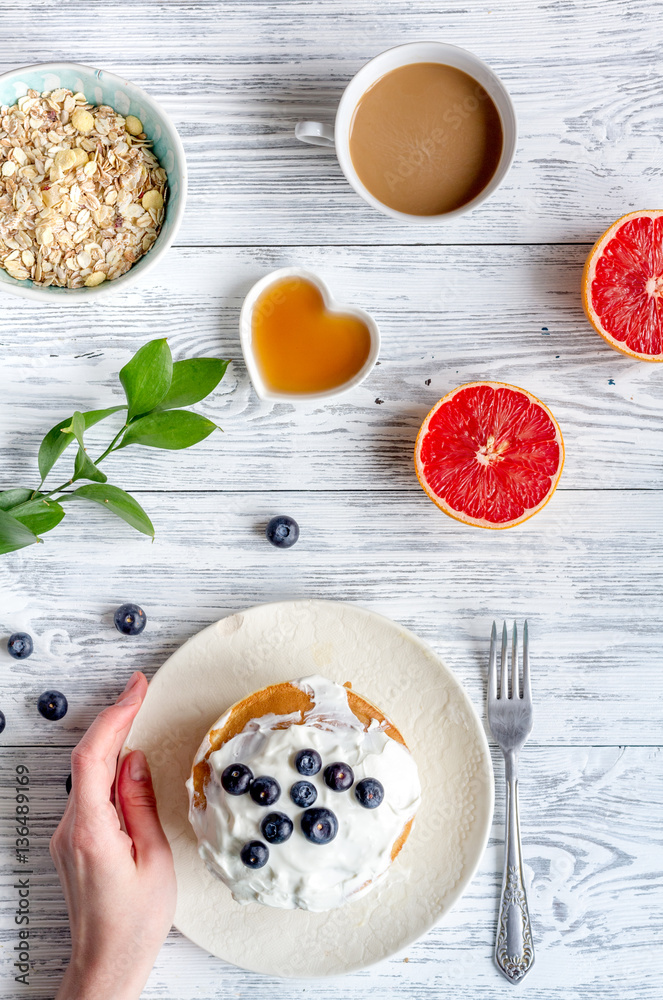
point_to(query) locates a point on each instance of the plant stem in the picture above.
(45, 496)
(69, 482)
(110, 447)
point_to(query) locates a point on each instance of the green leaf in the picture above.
(36, 513)
(193, 379)
(93, 417)
(84, 468)
(52, 447)
(76, 427)
(172, 429)
(56, 442)
(12, 498)
(117, 501)
(13, 534)
(40, 515)
(146, 378)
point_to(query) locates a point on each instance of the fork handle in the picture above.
(514, 950)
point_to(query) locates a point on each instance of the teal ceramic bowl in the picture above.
(126, 98)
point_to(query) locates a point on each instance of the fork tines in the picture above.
(515, 690)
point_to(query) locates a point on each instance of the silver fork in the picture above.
(510, 719)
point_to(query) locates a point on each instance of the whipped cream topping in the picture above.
(315, 877)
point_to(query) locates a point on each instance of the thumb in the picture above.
(139, 808)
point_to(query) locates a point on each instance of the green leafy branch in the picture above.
(156, 389)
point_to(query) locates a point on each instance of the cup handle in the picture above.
(315, 133)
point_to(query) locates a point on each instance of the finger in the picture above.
(93, 761)
(139, 808)
(136, 689)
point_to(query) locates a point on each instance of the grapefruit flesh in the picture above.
(489, 454)
(623, 285)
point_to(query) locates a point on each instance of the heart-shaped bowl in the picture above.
(101, 87)
(331, 306)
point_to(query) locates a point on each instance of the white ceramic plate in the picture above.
(400, 674)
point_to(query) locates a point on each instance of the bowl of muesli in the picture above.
(92, 181)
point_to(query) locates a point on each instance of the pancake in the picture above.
(264, 732)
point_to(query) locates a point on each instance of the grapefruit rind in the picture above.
(459, 515)
(589, 272)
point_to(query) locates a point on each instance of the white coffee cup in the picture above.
(319, 134)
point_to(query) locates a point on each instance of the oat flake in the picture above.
(63, 188)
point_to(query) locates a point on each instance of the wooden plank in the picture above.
(584, 572)
(447, 316)
(591, 843)
(237, 76)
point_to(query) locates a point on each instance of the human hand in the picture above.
(119, 887)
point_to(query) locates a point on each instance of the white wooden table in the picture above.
(494, 295)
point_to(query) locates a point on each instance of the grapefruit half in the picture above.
(622, 285)
(489, 454)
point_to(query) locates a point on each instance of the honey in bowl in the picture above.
(425, 139)
(301, 347)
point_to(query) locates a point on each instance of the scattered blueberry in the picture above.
(320, 826)
(339, 776)
(303, 794)
(130, 619)
(369, 793)
(255, 854)
(20, 645)
(3, 721)
(52, 705)
(265, 791)
(67, 784)
(308, 762)
(236, 779)
(282, 531)
(276, 828)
